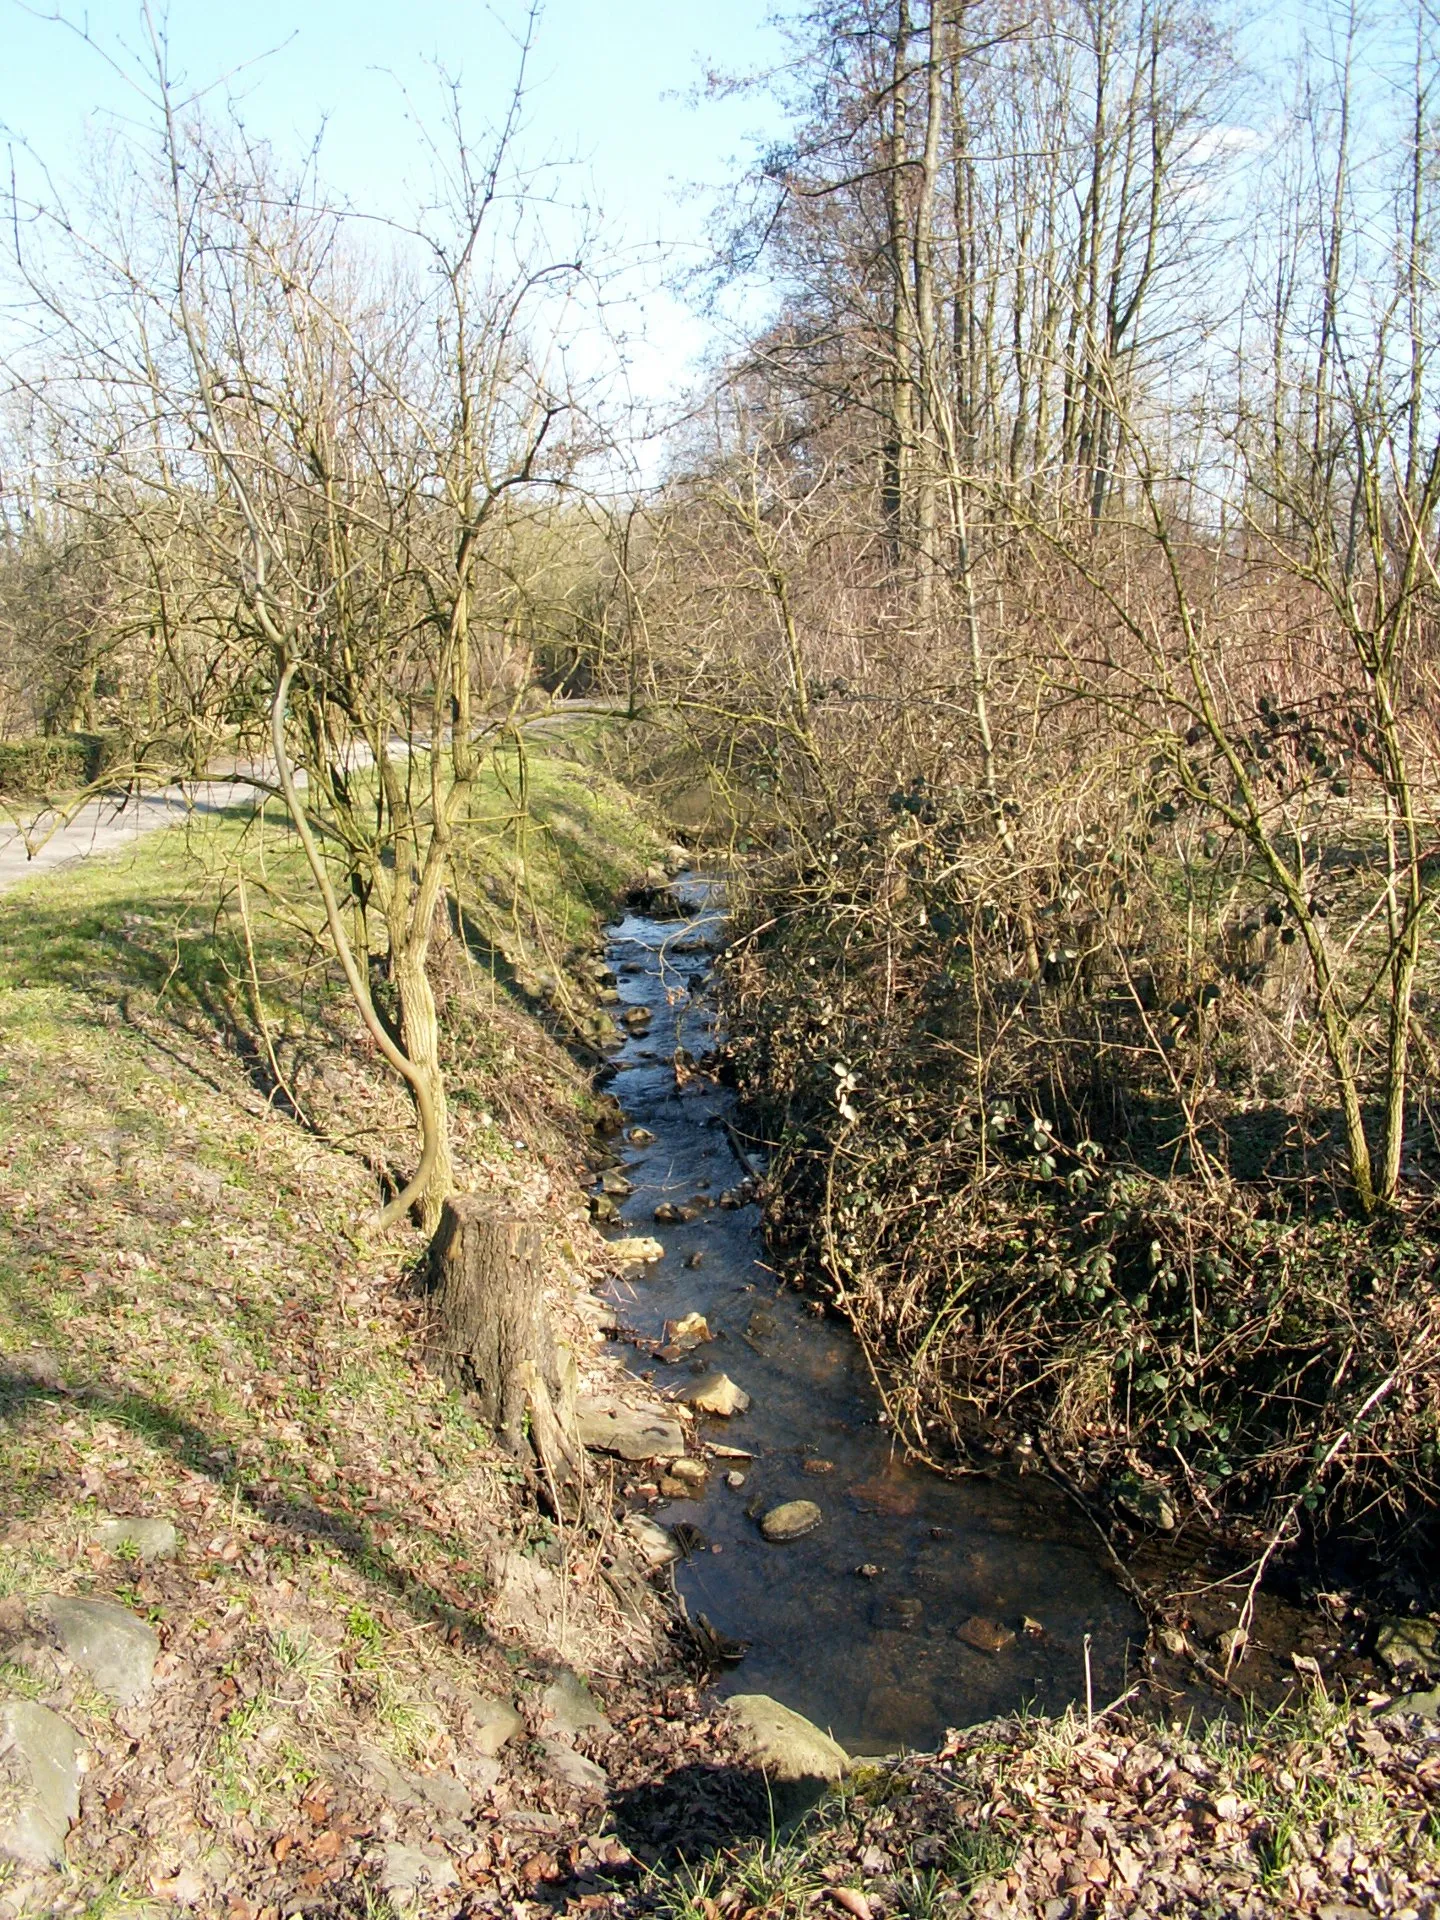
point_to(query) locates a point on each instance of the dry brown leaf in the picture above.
(185, 1888)
(854, 1903)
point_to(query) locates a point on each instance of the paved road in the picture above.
(112, 823)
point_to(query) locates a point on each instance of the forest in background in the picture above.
(1043, 597)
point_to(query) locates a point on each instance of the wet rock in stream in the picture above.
(717, 1393)
(639, 1252)
(900, 1613)
(791, 1520)
(690, 1329)
(986, 1636)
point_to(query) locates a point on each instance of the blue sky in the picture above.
(612, 90)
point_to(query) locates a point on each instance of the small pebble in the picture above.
(734, 1478)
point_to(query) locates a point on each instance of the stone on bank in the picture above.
(791, 1751)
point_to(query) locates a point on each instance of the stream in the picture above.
(919, 1603)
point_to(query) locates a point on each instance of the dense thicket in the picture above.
(1053, 585)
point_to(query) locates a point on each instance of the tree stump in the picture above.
(490, 1335)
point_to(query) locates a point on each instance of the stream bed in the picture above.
(918, 1603)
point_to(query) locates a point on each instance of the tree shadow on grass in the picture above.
(298, 1520)
(692, 1824)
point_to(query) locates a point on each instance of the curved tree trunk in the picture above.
(420, 1029)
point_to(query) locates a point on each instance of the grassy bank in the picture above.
(192, 1330)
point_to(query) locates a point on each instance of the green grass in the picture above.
(232, 1352)
(163, 918)
(1291, 1765)
(565, 853)
(148, 1183)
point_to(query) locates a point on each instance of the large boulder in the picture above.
(40, 1753)
(609, 1425)
(795, 1756)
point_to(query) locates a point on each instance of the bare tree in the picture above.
(354, 445)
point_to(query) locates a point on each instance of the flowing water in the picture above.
(886, 1656)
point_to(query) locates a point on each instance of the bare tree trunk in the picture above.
(420, 1030)
(900, 427)
(491, 1336)
(927, 451)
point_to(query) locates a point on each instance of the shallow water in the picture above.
(875, 1658)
